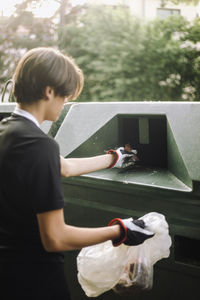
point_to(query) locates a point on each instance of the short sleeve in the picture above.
(44, 179)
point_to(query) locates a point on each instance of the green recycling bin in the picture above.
(6, 109)
(165, 180)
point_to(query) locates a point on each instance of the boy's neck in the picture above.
(37, 109)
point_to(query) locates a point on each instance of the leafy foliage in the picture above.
(122, 58)
(20, 32)
(126, 60)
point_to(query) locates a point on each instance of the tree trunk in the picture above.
(63, 6)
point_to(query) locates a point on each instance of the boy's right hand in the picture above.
(123, 158)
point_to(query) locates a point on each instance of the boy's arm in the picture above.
(57, 236)
(78, 166)
(118, 158)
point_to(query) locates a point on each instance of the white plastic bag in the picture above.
(124, 269)
(138, 273)
(100, 267)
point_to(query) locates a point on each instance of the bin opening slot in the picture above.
(187, 250)
(148, 135)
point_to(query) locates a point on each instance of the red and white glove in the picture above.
(123, 158)
(133, 232)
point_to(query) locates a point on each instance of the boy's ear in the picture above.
(48, 93)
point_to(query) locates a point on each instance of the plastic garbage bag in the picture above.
(138, 273)
(100, 267)
(124, 269)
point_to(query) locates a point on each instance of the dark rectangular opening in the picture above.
(187, 250)
(147, 134)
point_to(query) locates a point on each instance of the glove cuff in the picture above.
(114, 152)
(123, 236)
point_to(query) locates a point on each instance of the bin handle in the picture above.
(10, 81)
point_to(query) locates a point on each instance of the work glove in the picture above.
(133, 232)
(123, 158)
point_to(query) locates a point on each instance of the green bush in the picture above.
(124, 59)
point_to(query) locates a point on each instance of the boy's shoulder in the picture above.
(18, 128)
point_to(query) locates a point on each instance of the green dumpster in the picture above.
(166, 180)
(6, 109)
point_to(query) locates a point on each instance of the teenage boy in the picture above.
(33, 232)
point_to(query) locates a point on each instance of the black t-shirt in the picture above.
(30, 183)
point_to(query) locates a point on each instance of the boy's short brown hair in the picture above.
(42, 67)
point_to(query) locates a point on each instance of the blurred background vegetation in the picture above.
(122, 57)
